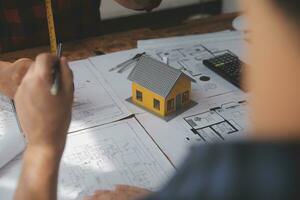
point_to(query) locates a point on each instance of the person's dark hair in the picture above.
(290, 7)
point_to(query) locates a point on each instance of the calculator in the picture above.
(228, 66)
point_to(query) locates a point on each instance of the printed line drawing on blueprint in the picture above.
(5, 104)
(7, 116)
(186, 58)
(189, 58)
(219, 124)
(101, 157)
(7, 122)
(94, 102)
(12, 141)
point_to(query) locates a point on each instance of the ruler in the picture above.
(51, 26)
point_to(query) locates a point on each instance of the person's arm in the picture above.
(44, 119)
(11, 75)
(121, 192)
(274, 78)
(140, 4)
(39, 175)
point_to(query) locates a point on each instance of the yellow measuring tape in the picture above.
(51, 27)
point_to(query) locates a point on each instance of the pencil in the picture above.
(56, 72)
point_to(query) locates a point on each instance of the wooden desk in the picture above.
(127, 40)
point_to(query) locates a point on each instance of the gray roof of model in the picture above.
(156, 76)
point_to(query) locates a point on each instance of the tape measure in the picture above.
(51, 27)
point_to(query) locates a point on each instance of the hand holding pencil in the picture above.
(56, 72)
(44, 117)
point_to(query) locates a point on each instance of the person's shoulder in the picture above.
(239, 153)
(248, 147)
(237, 170)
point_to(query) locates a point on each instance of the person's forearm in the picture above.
(139, 4)
(39, 175)
(4, 64)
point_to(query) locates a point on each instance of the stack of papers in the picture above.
(12, 142)
(104, 149)
(185, 53)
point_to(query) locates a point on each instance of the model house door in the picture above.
(178, 101)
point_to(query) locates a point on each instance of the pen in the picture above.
(127, 62)
(56, 72)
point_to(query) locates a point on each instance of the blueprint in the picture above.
(99, 158)
(6, 115)
(122, 152)
(219, 124)
(189, 58)
(118, 153)
(117, 81)
(94, 104)
(10, 134)
(94, 101)
(221, 113)
(218, 119)
(5, 104)
(7, 122)
(209, 91)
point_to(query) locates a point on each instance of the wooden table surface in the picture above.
(127, 40)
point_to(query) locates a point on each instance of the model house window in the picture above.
(170, 105)
(139, 95)
(156, 104)
(185, 97)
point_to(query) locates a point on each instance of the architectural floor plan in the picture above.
(220, 123)
(189, 58)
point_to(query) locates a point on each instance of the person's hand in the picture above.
(155, 4)
(122, 192)
(45, 118)
(147, 5)
(11, 75)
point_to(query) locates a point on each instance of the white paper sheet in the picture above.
(99, 158)
(95, 104)
(94, 101)
(118, 153)
(176, 136)
(189, 39)
(9, 176)
(12, 141)
(189, 58)
(210, 90)
(184, 53)
(118, 81)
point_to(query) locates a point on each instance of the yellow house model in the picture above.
(159, 88)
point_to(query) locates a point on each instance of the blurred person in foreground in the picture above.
(265, 167)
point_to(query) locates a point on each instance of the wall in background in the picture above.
(231, 6)
(110, 9)
(167, 15)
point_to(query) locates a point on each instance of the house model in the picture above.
(160, 88)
